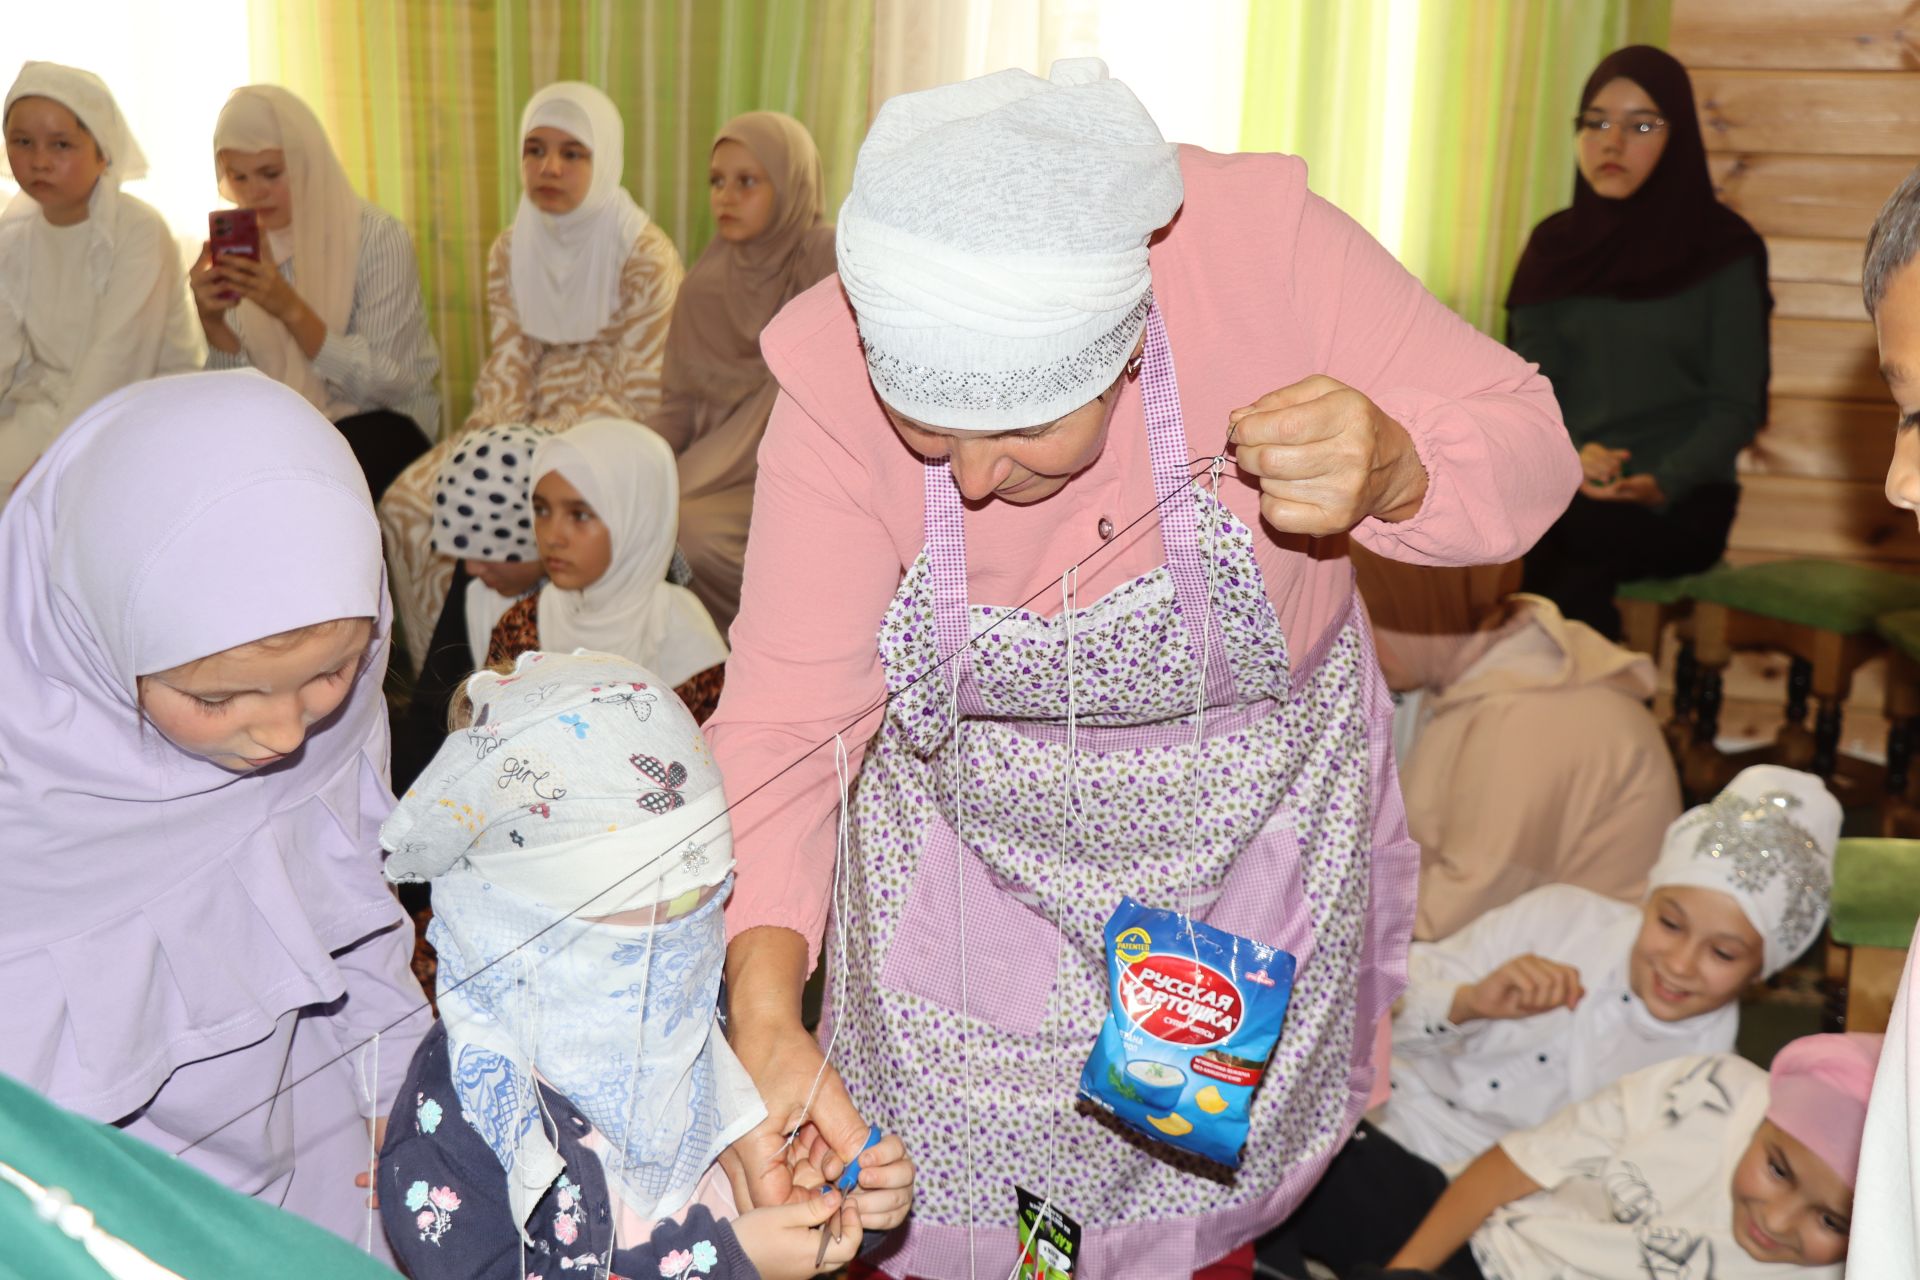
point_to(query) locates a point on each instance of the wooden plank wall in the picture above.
(1811, 114)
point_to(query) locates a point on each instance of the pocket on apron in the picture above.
(1011, 949)
(1264, 895)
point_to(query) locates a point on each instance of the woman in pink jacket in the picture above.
(986, 396)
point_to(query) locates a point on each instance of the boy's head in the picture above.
(1793, 1189)
(1890, 283)
(482, 507)
(1740, 890)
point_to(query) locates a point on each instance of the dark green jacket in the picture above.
(1680, 381)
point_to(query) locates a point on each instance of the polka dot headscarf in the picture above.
(483, 496)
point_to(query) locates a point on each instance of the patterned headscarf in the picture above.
(582, 789)
(482, 508)
(1767, 841)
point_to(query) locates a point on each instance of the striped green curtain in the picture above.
(1481, 146)
(422, 99)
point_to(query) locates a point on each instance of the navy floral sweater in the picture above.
(443, 1198)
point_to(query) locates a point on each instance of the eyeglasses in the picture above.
(1643, 127)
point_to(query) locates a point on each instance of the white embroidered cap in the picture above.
(1767, 840)
(994, 245)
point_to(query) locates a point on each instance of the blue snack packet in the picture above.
(1186, 1041)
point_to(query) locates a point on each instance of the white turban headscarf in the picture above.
(994, 245)
(1767, 841)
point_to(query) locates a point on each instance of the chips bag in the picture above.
(1195, 1015)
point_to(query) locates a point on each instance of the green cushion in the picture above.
(1656, 590)
(1846, 598)
(1901, 630)
(1876, 892)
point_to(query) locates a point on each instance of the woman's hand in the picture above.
(1520, 988)
(784, 1061)
(1327, 458)
(1600, 464)
(1643, 490)
(263, 285)
(213, 297)
(783, 1242)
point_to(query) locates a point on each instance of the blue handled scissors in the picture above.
(845, 1183)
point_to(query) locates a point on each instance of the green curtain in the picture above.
(422, 99)
(1486, 147)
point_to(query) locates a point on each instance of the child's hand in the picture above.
(1520, 988)
(886, 1183)
(368, 1178)
(782, 1242)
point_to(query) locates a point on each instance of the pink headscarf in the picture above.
(1817, 1091)
(155, 908)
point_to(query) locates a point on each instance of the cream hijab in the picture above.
(627, 474)
(325, 239)
(87, 96)
(566, 267)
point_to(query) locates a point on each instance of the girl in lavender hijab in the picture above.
(195, 940)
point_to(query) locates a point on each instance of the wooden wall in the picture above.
(1811, 114)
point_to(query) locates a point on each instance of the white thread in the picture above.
(839, 898)
(617, 1150)
(1208, 553)
(370, 1085)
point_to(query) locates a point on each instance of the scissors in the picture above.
(845, 1183)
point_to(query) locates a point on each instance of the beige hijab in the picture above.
(325, 236)
(718, 393)
(713, 363)
(1537, 762)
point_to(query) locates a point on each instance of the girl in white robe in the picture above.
(92, 293)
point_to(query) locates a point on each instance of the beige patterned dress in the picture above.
(551, 385)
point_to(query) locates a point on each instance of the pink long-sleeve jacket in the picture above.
(1261, 284)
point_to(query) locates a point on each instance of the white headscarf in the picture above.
(566, 266)
(87, 96)
(627, 474)
(1767, 841)
(994, 245)
(325, 240)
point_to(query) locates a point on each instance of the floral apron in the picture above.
(962, 803)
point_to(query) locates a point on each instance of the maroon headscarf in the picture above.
(1667, 236)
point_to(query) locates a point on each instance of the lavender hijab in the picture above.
(155, 908)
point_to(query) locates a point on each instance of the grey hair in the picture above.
(1893, 242)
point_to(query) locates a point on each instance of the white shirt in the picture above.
(1637, 1182)
(1885, 1241)
(1456, 1091)
(72, 330)
(386, 358)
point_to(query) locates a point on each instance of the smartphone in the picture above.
(233, 231)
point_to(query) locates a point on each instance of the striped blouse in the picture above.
(386, 359)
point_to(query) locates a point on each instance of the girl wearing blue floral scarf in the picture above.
(568, 1112)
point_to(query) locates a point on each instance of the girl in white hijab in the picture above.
(90, 296)
(606, 504)
(336, 313)
(580, 290)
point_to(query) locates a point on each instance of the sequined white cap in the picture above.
(1768, 841)
(994, 245)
